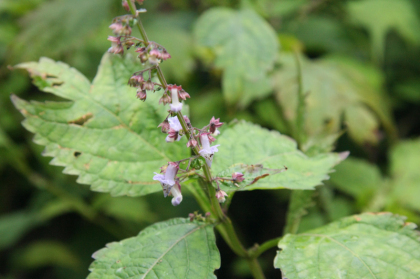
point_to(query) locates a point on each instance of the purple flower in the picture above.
(207, 151)
(169, 184)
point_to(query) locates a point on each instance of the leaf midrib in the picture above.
(348, 249)
(169, 249)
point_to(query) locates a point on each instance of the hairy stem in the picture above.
(225, 227)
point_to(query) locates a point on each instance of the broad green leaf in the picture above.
(367, 246)
(381, 16)
(357, 178)
(405, 159)
(245, 47)
(175, 249)
(334, 86)
(245, 143)
(103, 133)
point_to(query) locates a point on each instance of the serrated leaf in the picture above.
(334, 85)
(103, 134)
(405, 159)
(245, 47)
(175, 249)
(361, 246)
(381, 16)
(249, 144)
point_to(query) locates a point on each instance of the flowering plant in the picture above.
(134, 139)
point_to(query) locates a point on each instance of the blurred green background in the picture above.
(360, 65)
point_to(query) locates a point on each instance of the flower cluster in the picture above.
(175, 124)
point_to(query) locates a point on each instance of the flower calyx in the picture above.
(221, 196)
(214, 124)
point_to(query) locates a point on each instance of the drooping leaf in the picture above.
(357, 178)
(58, 26)
(381, 16)
(245, 47)
(335, 87)
(405, 159)
(103, 133)
(245, 143)
(361, 246)
(175, 249)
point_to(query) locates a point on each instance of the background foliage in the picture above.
(359, 71)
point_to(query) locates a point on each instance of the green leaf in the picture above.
(245, 143)
(381, 16)
(361, 246)
(168, 30)
(405, 159)
(103, 134)
(335, 86)
(245, 47)
(59, 26)
(175, 249)
(15, 225)
(357, 178)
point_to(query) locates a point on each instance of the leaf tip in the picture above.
(343, 155)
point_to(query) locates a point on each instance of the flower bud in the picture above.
(238, 177)
(141, 94)
(149, 85)
(165, 126)
(220, 195)
(125, 5)
(136, 80)
(192, 143)
(165, 99)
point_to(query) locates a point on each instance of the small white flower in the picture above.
(174, 128)
(176, 105)
(169, 184)
(207, 151)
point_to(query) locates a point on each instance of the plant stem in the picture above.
(300, 110)
(257, 250)
(225, 227)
